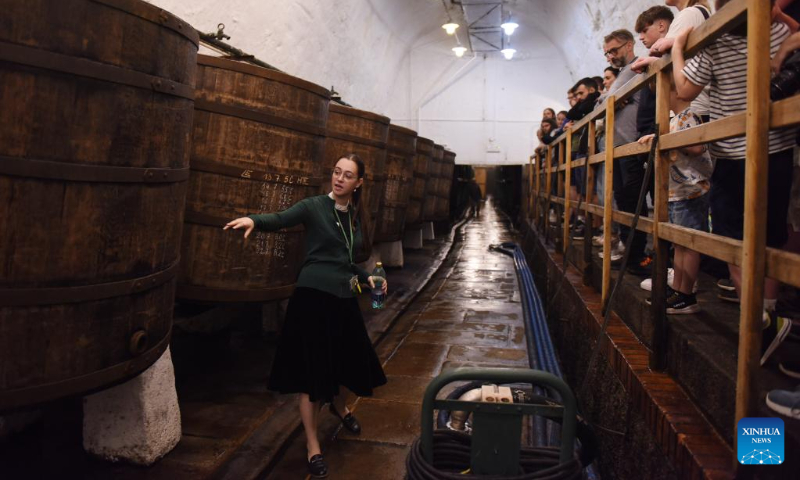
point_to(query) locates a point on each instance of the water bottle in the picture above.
(378, 277)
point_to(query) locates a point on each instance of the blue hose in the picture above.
(541, 353)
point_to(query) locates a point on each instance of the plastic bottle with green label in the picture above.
(378, 277)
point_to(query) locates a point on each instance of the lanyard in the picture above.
(348, 242)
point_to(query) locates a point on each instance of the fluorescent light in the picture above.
(509, 27)
(450, 27)
(459, 51)
(508, 53)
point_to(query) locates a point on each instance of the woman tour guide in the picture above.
(324, 343)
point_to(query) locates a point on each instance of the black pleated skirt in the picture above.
(324, 345)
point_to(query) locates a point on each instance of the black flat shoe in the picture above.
(349, 421)
(317, 467)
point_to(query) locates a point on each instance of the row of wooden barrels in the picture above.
(122, 154)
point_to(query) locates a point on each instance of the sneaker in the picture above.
(579, 231)
(726, 284)
(598, 240)
(647, 283)
(617, 252)
(552, 217)
(671, 294)
(642, 268)
(785, 402)
(774, 333)
(682, 304)
(728, 296)
(790, 368)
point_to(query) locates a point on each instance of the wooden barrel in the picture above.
(400, 154)
(94, 156)
(257, 147)
(445, 184)
(433, 195)
(366, 134)
(422, 167)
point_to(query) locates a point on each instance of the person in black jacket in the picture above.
(586, 94)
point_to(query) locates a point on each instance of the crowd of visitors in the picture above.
(706, 181)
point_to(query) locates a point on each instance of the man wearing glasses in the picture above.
(629, 171)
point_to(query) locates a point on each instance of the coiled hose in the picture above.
(451, 451)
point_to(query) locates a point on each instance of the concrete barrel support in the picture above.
(412, 239)
(427, 231)
(391, 253)
(138, 421)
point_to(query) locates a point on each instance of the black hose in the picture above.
(451, 453)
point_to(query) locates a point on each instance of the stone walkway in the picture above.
(468, 315)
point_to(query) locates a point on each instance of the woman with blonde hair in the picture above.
(324, 343)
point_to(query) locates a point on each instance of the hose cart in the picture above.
(493, 450)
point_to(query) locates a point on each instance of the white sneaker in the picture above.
(597, 240)
(552, 217)
(617, 252)
(647, 283)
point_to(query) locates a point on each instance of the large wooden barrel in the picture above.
(97, 104)
(445, 184)
(351, 130)
(432, 195)
(400, 154)
(422, 167)
(257, 147)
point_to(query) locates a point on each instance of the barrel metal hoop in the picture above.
(208, 166)
(121, 371)
(48, 169)
(37, 58)
(207, 220)
(210, 294)
(19, 297)
(247, 114)
(354, 139)
(155, 15)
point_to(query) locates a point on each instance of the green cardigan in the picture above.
(327, 264)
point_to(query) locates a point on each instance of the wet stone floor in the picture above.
(469, 314)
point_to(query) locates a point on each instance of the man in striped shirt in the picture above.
(723, 67)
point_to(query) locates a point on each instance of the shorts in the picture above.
(727, 198)
(691, 213)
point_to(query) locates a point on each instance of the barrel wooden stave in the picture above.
(265, 128)
(433, 188)
(445, 184)
(87, 222)
(400, 156)
(422, 167)
(350, 130)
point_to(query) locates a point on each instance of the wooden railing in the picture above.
(756, 260)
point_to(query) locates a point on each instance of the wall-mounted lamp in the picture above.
(450, 27)
(508, 52)
(460, 51)
(509, 27)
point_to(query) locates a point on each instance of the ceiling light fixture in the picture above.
(450, 27)
(508, 52)
(509, 27)
(460, 51)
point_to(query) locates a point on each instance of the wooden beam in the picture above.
(588, 229)
(567, 189)
(608, 193)
(721, 129)
(759, 20)
(597, 158)
(631, 149)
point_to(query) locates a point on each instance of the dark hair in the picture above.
(613, 70)
(562, 112)
(356, 198)
(622, 35)
(551, 111)
(552, 122)
(587, 82)
(652, 15)
(599, 82)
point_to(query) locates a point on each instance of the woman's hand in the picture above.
(243, 222)
(646, 139)
(662, 46)
(372, 284)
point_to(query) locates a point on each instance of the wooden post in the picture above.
(755, 207)
(589, 217)
(567, 186)
(537, 198)
(530, 188)
(608, 193)
(560, 194)
(549, 188)
(658, 357)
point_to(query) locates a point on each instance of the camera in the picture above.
(787, 82)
